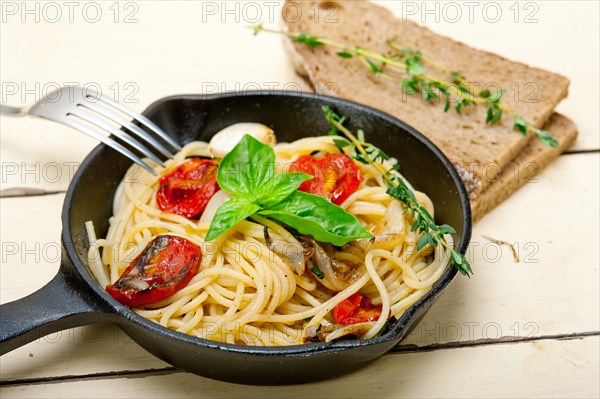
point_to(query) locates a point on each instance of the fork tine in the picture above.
(127, 124)
(84, 114)
(140, 118)
(109, 142)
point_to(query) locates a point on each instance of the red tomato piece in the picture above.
(336, 176)
(346, 307)
(164, 267)
(362, 316)
(357, 308)
(188, 188)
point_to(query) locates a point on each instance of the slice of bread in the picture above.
(525, 166)
(521, 170)
(479, 151)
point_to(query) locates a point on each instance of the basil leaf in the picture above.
(281, 186)
(246, 169)
(316, 216)
(248, 172)
(228, 215)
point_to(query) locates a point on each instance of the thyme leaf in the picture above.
(310, 41)
(520, 125)
(424, 223)
(408, 67)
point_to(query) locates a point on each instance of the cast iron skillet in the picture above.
(74, 298)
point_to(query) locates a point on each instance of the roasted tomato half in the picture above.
(357, 308)
(188, 188)
(336, 176)
(164, 267)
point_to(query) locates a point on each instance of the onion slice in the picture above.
(337, 274)
(292, 253)
(213, 204)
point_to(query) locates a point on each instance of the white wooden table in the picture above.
(528, 329)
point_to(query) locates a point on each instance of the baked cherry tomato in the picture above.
(336, 176)
(164, 267)
(357, 308)
(188, 188)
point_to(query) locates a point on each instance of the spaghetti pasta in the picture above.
(245, 292)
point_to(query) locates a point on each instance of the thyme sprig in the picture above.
(431, 233)
(406, 67)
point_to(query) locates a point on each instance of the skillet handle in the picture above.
(59, 305)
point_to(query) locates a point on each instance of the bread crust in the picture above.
(528, 163)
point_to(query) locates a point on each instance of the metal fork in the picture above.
(95, 114)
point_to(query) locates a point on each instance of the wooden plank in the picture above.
(77, 352)
(548, 369)
(503, 300)
(30, 242)
(558, 271)
(30, 235)
(43, 155)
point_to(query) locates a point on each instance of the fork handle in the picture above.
(12, 111)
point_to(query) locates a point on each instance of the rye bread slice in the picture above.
(534, 157)
(521, 170)
(479, 151)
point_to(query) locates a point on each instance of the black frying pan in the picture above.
(74, 298)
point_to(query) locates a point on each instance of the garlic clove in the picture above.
(224, 141)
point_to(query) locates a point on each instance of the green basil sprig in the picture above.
(248, 173)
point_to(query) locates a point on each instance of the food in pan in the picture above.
(249, 242)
